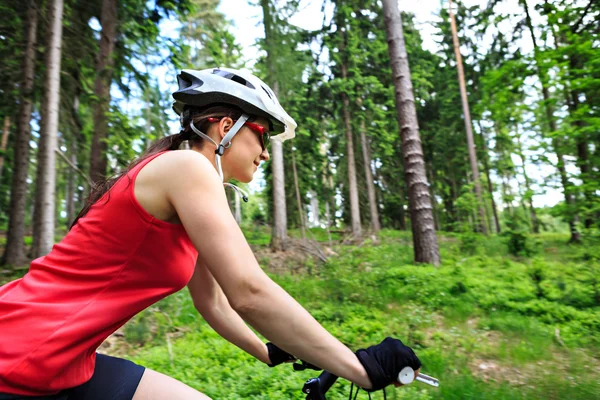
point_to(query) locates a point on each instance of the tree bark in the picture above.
(468, 125)
(15, 247)
(569, 200)
(104, 67)
(366, 153)
(279, 232)
(423, 226)
(5, 132)
(44, 215)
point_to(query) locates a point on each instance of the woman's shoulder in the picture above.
(181, 167)
(182, 160)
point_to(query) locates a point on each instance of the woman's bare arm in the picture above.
(211, 302)
(193, 187)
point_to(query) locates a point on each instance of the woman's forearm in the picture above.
(282, 320)
(227, 323)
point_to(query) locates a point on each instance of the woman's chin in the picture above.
(245, 178)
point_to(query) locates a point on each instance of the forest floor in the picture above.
(487, 324)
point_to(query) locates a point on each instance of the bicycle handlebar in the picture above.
(315, 388)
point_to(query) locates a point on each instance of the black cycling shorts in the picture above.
(113, 379)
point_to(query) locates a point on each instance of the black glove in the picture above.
(278, 356)
(384, 362)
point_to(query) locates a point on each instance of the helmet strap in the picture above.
(225, 144)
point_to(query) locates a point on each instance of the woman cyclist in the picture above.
(162, 224)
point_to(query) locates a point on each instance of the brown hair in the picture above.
(172, 142)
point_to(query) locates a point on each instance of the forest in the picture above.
(448, 194)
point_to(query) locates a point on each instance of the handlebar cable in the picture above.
(358, 389)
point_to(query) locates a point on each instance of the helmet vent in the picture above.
(267, 92)
(241, 81)
(183, 83)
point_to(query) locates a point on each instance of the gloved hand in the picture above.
(279, 356)
(383, 362)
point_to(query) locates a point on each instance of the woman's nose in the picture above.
(265, 155)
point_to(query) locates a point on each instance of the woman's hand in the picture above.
(278, 356)
(384, 361)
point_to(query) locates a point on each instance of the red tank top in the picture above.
(116, 261)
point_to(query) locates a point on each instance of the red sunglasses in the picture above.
(262, 132)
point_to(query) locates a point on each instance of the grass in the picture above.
(487, 324)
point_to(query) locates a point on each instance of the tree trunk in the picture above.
(314, 207)
(279, 232)
(104, 67)
(5, 132)
(490, 186)
(298, 197)
(15, 247)
(436, 218)
(507, 195)
(582, 157)
(238, 209)
(351, 162)
(556, 144)
(72, 182)
(366, 146)
(468, 125)
(582, 139)
(528, 192)
(423, 227)
(43, 225)
(279, 235)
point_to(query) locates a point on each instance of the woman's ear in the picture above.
(225, 125)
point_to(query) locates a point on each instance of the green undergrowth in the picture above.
(488, 325)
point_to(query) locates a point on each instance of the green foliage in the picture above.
(485, 307)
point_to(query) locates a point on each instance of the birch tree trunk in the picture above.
(423, 226)
(15, 247)
(468, 125)
(43, 226)
(366, 153)
(279, 232)
(5, 131)
(556, 144)
(104, 66)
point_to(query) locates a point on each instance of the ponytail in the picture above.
(168, 143)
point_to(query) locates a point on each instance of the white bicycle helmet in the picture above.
(241, 89)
